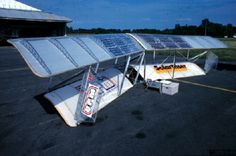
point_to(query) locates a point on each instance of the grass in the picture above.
(231, 42)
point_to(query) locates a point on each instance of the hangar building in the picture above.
(20, 20)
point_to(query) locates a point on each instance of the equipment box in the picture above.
(170, 89)
(153, 84)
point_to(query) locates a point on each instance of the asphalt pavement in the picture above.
(199, 120)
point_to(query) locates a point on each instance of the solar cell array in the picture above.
(54, 55)
(50, 56)
(118, 44)
(160, 42)
(163, 41)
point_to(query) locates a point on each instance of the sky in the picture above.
(138, 14)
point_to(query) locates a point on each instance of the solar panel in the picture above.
(93, 48)
(183, 45)
(158, 42)
(115, 51)
(48, 56)
(118, 44)
(157, 45)
(170, 45)
(126, 48)
(163, 39)
(54, 55)
(176, 39)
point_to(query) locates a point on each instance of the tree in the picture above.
(205, 28)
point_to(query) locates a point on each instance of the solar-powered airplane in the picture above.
(80, 101)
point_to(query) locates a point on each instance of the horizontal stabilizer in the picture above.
(167, 70)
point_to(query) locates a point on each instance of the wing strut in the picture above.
(141, 62)
(126, 69)
(195, 58)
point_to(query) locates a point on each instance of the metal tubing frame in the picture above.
(165, 59)
(188, 54)
(138, 71)
(83, 92)
(97, 67)
(195, 58)
(174, 63)
(116, 61)
(154, 55)
(186, 57)
(126, 69)
(64, 81)
(144, 62)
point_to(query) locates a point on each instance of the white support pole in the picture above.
(174, 63)
(87, 77)
(188, 54)
(138, 71)
(165, 59)
(144, 61)
(81, 97)
(181, 54)
(116, 61)
(195, 58)
(123, 79)
(96, 69)
(154, 56)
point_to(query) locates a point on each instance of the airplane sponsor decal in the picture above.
(170, 68)
(107, 83)
(90, 100)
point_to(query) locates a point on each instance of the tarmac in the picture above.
(199, 120)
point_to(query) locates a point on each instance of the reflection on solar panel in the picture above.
(115, 51)
(163, 41)
(183, 45)
(158, 42)
(54, 55)
(118, 44)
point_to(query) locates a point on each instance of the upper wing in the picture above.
(50, 56)
(166, 42)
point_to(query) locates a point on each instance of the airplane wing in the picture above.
(168, 42)
(155, 42)
(49, 56)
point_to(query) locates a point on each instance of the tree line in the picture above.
(205, 28)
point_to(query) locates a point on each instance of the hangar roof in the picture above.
(13, 10)
(12, 4)
(26, 15)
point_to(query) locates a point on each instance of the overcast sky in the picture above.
(132, 14)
